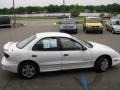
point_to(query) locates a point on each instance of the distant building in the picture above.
(87, 11)
(92, 14)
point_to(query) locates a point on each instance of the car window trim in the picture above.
(26, 43)
(58, 47)
(68, 49)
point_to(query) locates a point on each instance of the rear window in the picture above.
(23, 43)
(68, 21)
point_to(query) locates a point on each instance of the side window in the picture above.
(69, 44)
(46, 44)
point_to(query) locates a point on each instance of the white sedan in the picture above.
(53, 51)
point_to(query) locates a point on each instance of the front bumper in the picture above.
(117, 31)
(9, 66)
(115, 61)
(94, 29)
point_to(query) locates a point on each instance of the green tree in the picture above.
(75, 12)
(20, 10)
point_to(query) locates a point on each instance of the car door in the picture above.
(72, 54)
(46, 52)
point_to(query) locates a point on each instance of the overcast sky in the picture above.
(8, 3)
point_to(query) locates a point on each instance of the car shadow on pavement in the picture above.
(62, 73)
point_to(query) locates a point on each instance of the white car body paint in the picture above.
(55, 60)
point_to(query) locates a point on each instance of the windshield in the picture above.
(23, 43)
(116, 22)
(89, 45)
(68, 21)
(92, 20)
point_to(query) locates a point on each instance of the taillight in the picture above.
(6, 55)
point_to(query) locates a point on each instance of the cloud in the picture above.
(8, 3)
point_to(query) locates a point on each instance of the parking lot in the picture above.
(80, 79)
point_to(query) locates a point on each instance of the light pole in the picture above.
(64, 8)
(14, 12)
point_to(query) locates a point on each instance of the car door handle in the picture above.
(34, 55)
(66, 55)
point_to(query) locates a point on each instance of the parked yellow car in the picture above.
(92, 24)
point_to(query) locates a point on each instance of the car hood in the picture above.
(10, 46)
(116, 26)
(104, 49)
(99, 46)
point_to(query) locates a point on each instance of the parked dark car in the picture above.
(68, 25)
(5, 21)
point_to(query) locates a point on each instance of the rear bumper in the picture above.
(69, 30)
(9, 66)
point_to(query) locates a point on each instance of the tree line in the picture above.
(111, 8)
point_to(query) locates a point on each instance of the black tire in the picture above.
(76, 31)
(102, 64)
(83, 28)
(86, 31)
(101, 32)
(25, 72)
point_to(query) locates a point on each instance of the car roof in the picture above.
(52, 34)
(68, 19)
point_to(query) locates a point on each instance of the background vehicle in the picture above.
(68, 25)
(5, 21)
(92, 24)
(113, 25)
(56, 51)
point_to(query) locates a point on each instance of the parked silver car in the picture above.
(68, 25)
(113, 25)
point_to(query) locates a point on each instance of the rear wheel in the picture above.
(28, 70)
(102, 64)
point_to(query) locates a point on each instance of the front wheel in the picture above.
(28, 70)
(101, 31)
(86, 31)
(102, 64)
